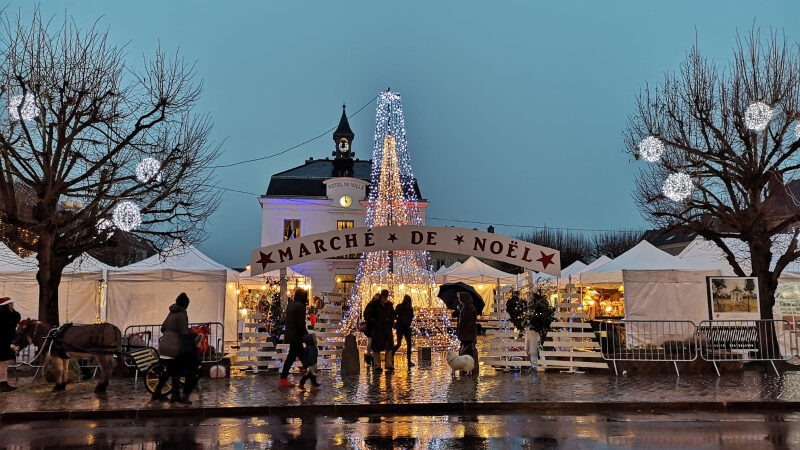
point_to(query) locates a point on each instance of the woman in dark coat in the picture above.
(405, 316)
(293, 333)
(178, 346)
(8, 329)
(380, 319)
(467, 329)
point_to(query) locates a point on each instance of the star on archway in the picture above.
(459, 239)
(546, 260)
(265, 259)
(392, 237)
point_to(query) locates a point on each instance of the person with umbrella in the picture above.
(380, 318)
(467, 329)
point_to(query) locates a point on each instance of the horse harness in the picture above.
(60, 347)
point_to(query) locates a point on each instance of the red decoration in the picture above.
(546, 260)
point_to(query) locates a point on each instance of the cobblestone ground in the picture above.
(425, 383)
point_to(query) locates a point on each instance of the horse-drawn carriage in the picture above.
(137, 349)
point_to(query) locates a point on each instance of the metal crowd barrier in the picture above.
(745, 340)
(138, 336)
(25, 358)
(648, 340)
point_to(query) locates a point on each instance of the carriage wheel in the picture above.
(152, 375)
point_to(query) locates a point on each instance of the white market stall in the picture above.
(80, 294)
(483, 277)
(141, 293)
(652, 285)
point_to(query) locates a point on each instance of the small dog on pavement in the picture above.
(464, 363)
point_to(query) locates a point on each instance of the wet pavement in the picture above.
(702, 431)
(427, 383)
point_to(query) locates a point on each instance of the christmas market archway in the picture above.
(399, 238)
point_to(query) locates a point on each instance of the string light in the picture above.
(677, 186)
(148, 169)
(394, 201)
(127, 216)
(651, 149)
(29, 109)
(757, 116)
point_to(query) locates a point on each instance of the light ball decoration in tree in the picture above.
(651, 148)
(757, 116)
(28, 111)
(105, 226)
(148, 169)
(127, 215)
(678, 186)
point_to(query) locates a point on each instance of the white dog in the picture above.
(464, 363)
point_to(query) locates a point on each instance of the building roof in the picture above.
(307, 180)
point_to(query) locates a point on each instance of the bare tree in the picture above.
(79, 121)
(737, 171)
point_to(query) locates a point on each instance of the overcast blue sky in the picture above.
(514, 109)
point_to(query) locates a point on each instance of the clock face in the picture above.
(346, 201)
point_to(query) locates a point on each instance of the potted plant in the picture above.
(537, 319)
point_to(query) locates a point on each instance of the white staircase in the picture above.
(330, 331)
(571, 344)
(256, 350)
(504, 349)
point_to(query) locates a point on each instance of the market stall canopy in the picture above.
(444, 270)
(246, 280)
(141, 293)
(475, 271)
(643, 256)
(571, 269)
(707, 254)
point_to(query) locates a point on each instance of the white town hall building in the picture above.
(322, 195)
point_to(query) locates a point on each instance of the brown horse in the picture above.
(99, 341)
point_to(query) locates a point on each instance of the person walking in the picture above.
(381, 317)
(467, 329)
(405, 315)
(293, 333)
(8, 330)
(177, 347)
(368, 311)
(310, 355)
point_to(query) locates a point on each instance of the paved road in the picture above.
(705, 431)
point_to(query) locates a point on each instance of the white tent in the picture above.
(483, 277)
(571, 269)
(141, 293)
(657, 285)
(80, 292)
(643, 256)
(707, 254)
(245, 279)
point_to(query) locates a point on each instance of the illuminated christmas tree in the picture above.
(393, 201)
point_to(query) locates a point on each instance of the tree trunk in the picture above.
(49, 278)
(761, 258)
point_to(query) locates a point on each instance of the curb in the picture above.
(418, 409)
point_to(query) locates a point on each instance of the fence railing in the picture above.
(745, 340)
(648, 340)
(137, 336)
(682, 341)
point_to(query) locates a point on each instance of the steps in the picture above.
(571, 344)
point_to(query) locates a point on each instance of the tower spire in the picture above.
(342, 154)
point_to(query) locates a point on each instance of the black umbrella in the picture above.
(448, 293)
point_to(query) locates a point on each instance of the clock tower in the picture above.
(343, 154)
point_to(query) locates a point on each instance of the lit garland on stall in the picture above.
(393, 201)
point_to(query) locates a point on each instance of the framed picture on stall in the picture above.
(733, 298)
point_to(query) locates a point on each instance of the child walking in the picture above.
(310, 354)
